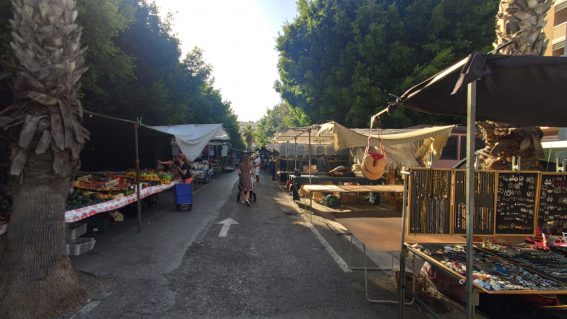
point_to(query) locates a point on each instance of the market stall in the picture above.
(403, 146)
(499, 88)
(117, 169)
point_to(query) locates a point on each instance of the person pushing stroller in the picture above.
(246, 176)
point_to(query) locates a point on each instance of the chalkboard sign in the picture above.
(484, 191)
(553, 200)
(430, 201)
(516, 203)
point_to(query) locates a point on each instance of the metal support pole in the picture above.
(309, 166)
(286, 156)
(139, 202)
(295, 153)
(471, 119)
(403, 251)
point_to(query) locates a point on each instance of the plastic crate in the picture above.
(76, 230)
(80, 246)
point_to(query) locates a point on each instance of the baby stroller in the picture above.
(240, 186)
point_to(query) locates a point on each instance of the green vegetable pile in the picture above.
(82, 199)
(331, 201)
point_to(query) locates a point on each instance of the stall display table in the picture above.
(308, 189)
(382, 234)
(492, 274)
(317, 179)
(84, 212)
(549, 263)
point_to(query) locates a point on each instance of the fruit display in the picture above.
(165, 178)
(103, 183)
(82, 199)
(152, 176)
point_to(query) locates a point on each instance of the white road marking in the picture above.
(338, 259)
(226, 226)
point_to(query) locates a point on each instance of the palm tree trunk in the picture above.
(37, 278)
(519, 26)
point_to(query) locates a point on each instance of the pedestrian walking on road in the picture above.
(246, 174)
(257, 164)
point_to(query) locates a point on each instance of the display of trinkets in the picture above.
(553, 200)
(430, 201)
(516, 203)
(491, 272)
(483, 202)
(546, 262)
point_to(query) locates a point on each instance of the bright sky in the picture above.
(238, 40)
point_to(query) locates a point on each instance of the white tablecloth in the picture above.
(84, 212)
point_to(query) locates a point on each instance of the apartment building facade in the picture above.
(556, 29)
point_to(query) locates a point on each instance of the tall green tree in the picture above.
(37, 280)
(137, 70)
(341, 60)
(248, 135)
(278, 118)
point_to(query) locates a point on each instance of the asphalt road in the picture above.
(273, 263)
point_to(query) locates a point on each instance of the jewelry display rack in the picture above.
(516, 203)
(484, 203)
(507, 202)
(430, 193)
(553, 199)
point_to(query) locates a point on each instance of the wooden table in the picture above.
(385, 234)
(317, 179)
(352, 188)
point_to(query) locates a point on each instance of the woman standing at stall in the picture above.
(245, 173)
(182, 166)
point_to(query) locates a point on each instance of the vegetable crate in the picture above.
(80, 246)
(75, 230)
(183, 195)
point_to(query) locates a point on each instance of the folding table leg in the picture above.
(380, 301)
(357, 267)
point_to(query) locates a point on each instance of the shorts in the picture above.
(256, 171)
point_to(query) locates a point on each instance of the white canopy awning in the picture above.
(192, 138)
(300, 135)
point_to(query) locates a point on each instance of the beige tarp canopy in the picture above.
(343, 137)
(402, 146)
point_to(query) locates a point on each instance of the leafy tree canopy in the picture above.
(341, 60)
(278, 118)
(136, 68)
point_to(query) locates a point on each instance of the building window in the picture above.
(559, 48)
(560, 14)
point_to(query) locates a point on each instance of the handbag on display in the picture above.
(374, 162)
